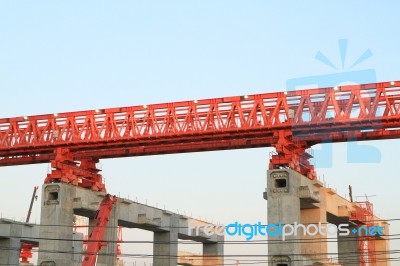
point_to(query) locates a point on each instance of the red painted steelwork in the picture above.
(363, 216)
(96, 238)
(289, 121)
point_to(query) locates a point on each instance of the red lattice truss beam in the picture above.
(307, 117)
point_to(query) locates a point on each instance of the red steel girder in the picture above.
(346, 113)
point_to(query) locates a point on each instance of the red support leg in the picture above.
(26, 252)
(292, 154)
(81, 173)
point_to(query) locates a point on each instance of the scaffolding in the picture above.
(363, 216)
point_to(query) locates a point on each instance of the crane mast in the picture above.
(26, 248)
(96, 237)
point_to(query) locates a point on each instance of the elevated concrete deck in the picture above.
(60, 202)
(12, 234)
(60, 245)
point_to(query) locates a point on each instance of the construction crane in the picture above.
(96, 237)
(34, 197)
(291, 121)
(26, 248)
(78, 224)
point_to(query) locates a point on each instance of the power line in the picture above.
(349, 256)
(262, 241)
(349, 259)
(142, 226)
(345, 254)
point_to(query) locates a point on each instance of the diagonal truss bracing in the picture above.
(357, 112)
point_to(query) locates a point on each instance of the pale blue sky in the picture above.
(62, 56)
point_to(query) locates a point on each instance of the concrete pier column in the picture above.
(165, 248)
(284, 207)
(348, 249)
(9, 251)
(314, 217)
(108, 254)
(56, 233)
(382, 252)
(77, 246)
(213, 253)
(382, 249)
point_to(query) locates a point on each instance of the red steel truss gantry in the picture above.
(290, 121)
